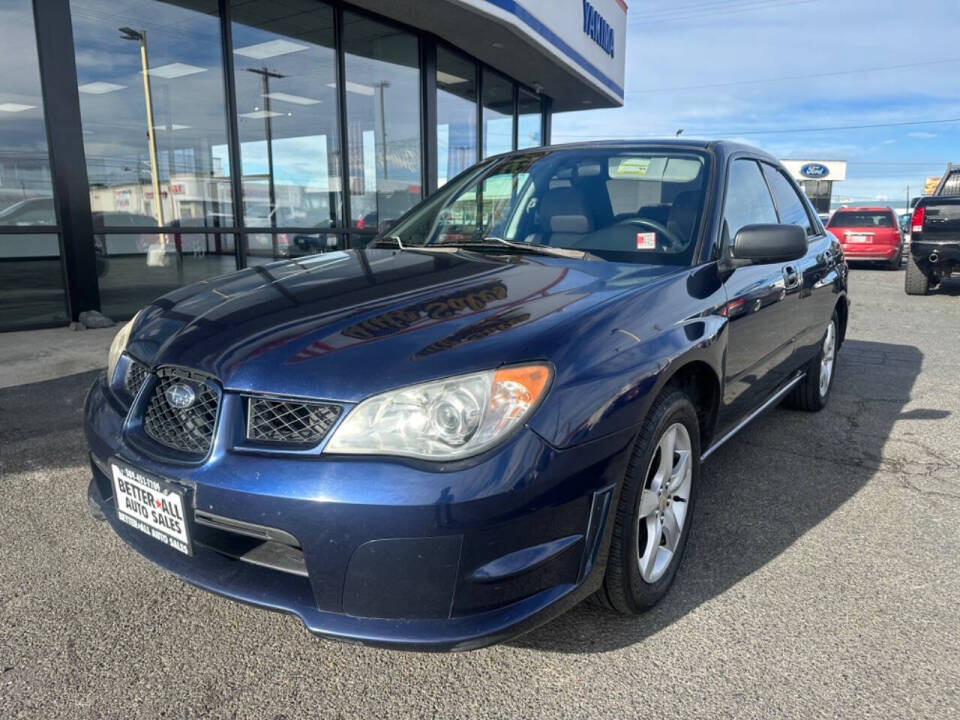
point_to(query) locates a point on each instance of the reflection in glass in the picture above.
(140, 59)
(285, 69)
(135, 268)
(529, 127)
(497, 114)
(456, 115)
(25, 187)
(266, 247)
(383, 120)
(31, 282)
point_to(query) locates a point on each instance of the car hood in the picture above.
(345, 325)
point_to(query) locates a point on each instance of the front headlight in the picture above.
(118, 345)
(445, 419)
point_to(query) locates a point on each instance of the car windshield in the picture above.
(622, 205)
(858, 218)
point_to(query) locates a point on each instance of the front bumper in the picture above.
(388, 552)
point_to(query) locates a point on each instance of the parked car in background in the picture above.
(934, 243)
(904, 220)
(869, 233)
(32, 211)
(125, 243)
(824, 217)
(458, 432)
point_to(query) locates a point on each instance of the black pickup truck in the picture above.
(934, 243)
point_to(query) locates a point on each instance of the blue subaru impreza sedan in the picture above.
(496, 409)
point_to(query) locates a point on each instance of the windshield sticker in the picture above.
(633, 167)
(647, 241)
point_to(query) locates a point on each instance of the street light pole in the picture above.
(265, 76)
(141, 36)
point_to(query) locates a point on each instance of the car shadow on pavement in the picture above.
(763, 490)
(41, 423)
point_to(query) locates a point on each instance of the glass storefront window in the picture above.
(383, 120)
(456, 114)
(138, 59)
(529, 125)
(497, 114)
(26, 195)
(265, 248)
(135, 268)
(31, 281)
(286, 78)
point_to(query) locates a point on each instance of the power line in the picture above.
(794, 77)
(716, 7)
(706, 11)
(747, 131)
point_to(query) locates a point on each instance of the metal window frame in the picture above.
(67, 159)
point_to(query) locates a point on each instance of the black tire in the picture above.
(807, 394)
(916, 281)
(624, 590)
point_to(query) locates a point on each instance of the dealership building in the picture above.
(817, 177)
(145, 144)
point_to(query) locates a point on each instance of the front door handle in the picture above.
(791, 277)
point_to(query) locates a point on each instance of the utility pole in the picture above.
(265, 76)
(141, 36)
(381, 86)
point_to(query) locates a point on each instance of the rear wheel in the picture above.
(654, 514)
(895, 261)
(811, 393)
(916, 282)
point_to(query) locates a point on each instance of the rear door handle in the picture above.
(791, 277)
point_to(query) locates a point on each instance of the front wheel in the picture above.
(655, 510)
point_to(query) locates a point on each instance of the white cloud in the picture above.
(922, 135)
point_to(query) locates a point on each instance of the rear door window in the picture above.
(790, 207)
(748, 199)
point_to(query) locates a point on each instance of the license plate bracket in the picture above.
(154, 506)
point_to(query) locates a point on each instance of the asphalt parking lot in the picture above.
(822, 578)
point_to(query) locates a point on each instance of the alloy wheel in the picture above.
(827, 357)
(663, 502)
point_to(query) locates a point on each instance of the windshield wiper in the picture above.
(493, 243)
(499, 243)
(395, 240)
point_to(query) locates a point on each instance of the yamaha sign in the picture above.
(815, 171)
(597, 28)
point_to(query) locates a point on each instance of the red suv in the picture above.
(868, 233)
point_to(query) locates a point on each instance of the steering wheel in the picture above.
(674, 243)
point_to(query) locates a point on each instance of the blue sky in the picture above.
(767, 71)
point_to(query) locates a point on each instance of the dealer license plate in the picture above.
(152, 506)
(858, 238)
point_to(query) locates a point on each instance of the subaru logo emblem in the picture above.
(814, 170)
(180, 395)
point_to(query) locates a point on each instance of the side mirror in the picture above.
(762, 244)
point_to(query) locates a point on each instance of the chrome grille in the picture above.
(288, 421)
(190, 429)
(136, 374)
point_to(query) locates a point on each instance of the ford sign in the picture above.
(815, 171)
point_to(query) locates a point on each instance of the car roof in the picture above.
(721, 147)
(870, 208)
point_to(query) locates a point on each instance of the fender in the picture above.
(607, 383)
